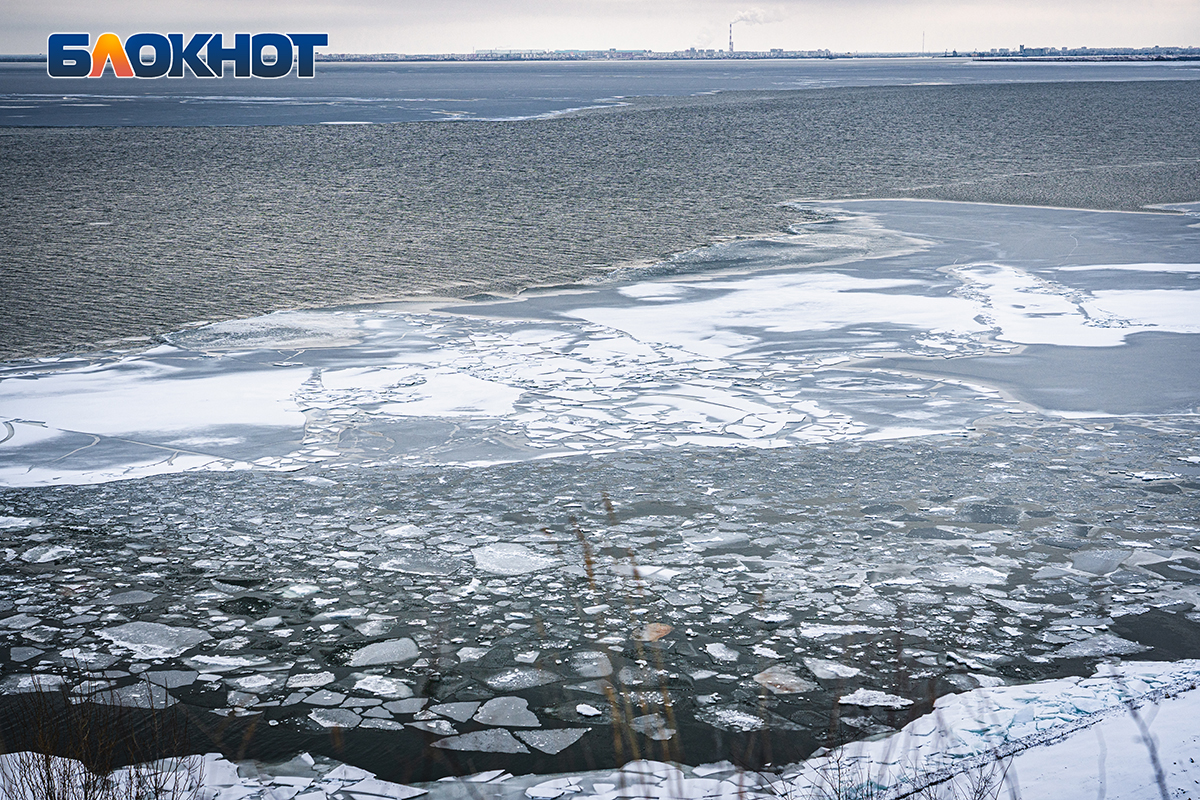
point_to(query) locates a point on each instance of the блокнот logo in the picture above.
(70, 56)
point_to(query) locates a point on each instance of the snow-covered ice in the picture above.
(796, 352)
(153, 639)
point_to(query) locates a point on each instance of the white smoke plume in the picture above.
(758, 16)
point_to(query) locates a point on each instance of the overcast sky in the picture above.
(439, 26)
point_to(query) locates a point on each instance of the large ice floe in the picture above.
(907, 463)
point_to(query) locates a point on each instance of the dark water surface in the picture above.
(133, 232)
(408, 92)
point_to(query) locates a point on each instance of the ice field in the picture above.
(767, 496)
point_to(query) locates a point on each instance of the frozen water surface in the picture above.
(762, 497)
(882, 320)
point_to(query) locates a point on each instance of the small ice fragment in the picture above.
(704, 770)
(47, 553)
(466, 654)
(375, 627)
(966, 576)
(137, 695)
(721, 653)
(781, 680)
(20, 622)
(653, 632)
(817, 631)
(830, 670)
(731, 718)
(511, 559)
(340, 614)
(154, 640)
(381, 724)
(874, 606)
(591, 665)
(583, 709)
(653, 726)
(494, 740)
(219, 772)
(507, 711)
(381, 686)
(222, 663)
(334, 718)
(645, 572)
(526, 658)
(974, 681)
(872, 697)
(772, 616)
(553, 741)
(1099, 562)
(128, 598)
(21, 654)
(14, 684)
(1103, 644)
(345, 772)
(309, 680)
(422, 563)
(437, 726)
(410, 706)
(259, 683)
(392, 651)
(171, 678)
(545, 791)
(19, 522)
(383, 790)
(521, 678)
(324, 697)
(298, 590)
(459, 712)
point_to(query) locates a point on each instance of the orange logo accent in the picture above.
(108, 48)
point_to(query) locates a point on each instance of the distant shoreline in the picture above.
(1030, 56)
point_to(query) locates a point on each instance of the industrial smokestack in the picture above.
(731, 36)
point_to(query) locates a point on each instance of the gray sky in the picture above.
(427, 26)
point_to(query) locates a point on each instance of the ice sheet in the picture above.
(890, 320)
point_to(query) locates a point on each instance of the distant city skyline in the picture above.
(464, 26)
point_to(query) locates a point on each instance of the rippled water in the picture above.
(115, 233)
(407, 92)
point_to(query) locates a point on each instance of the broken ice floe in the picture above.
(1103, 644)
(507, 712)
(830, 670)
(793, 354)
(154, 640)
(873, 697)
(510, 559)
(521, 678)
(781, 680)
(495, 740)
